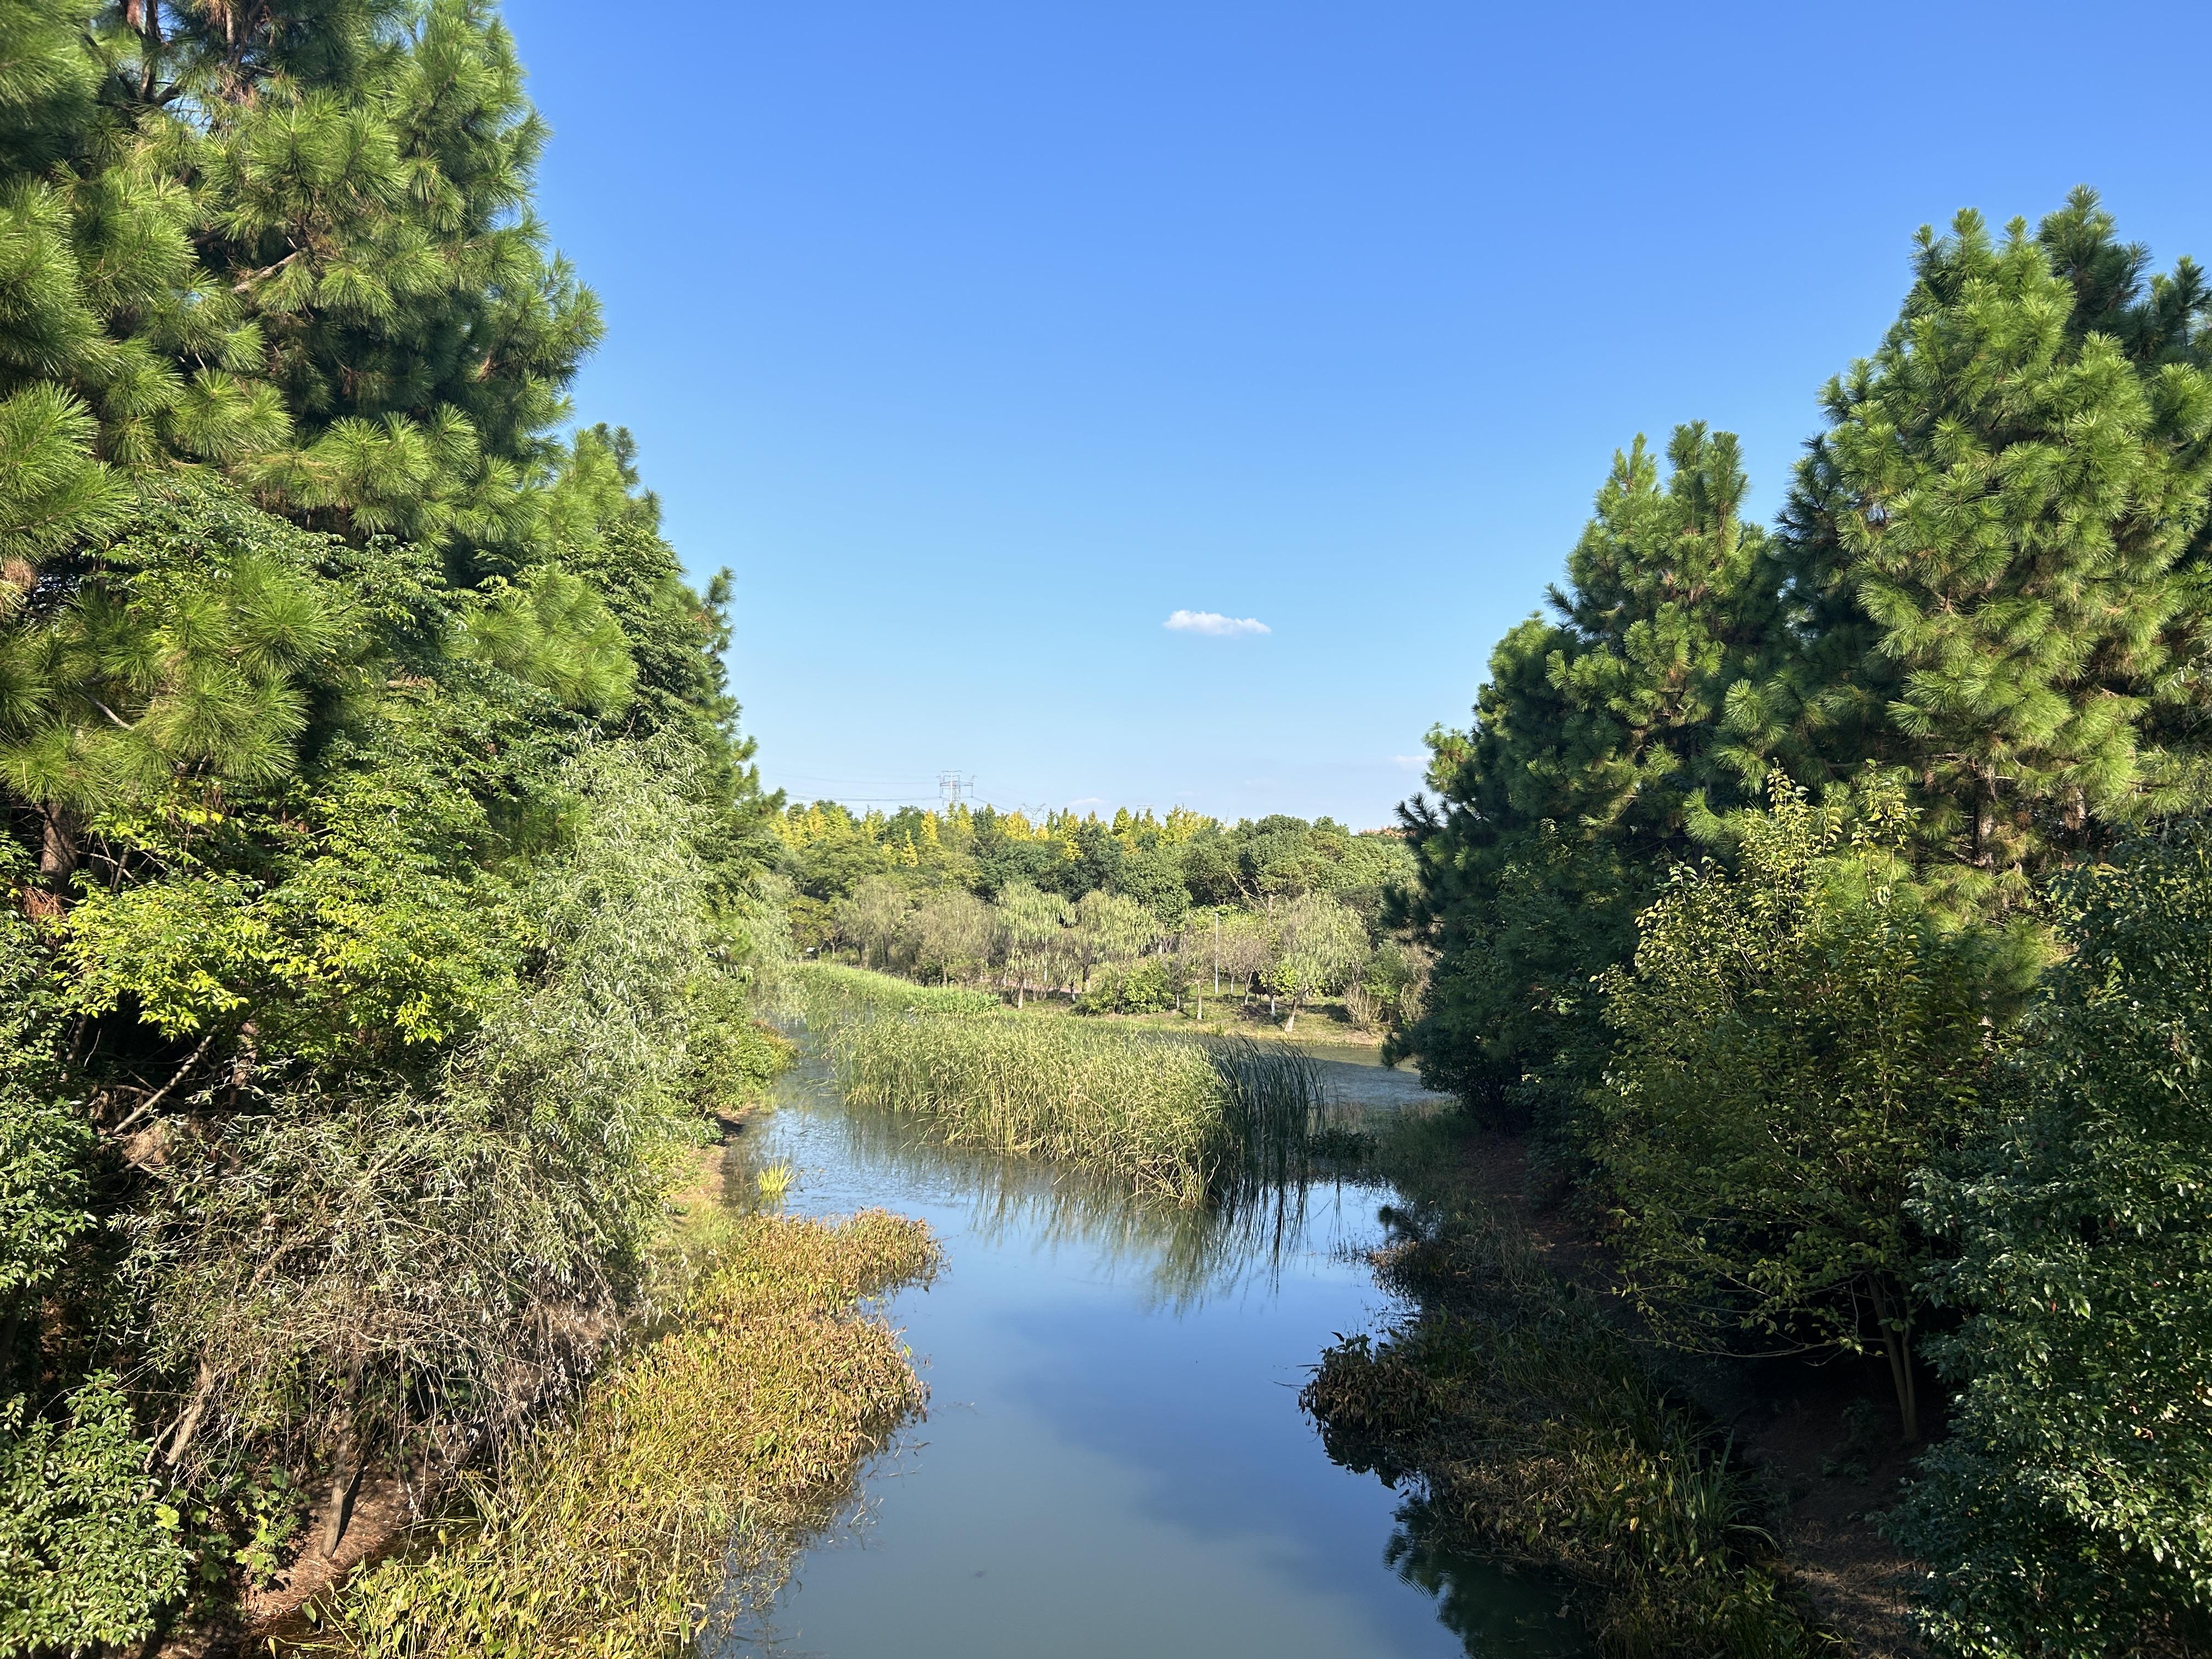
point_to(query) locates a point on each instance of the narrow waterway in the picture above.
(1114, 1463)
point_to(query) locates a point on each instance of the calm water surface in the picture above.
(1114, 1463)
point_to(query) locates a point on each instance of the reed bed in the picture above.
(1184, 1118)
(1147, 1111)
(826, 991)
(690, 1479)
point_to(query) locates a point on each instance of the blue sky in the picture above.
(980, 339)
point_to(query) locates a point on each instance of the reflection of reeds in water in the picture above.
(1187, 1120)
(1190, 1253)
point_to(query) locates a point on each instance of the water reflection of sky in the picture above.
(1114, 1463)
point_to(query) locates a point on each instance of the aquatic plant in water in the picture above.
(774, 1183)
(1189, 1119)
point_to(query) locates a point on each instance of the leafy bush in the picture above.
(1146, 986)
(2070, 1512)
(371, 1262)
(88, 1552)
(1796, 1039)
(729, 1057)
(44, 1190)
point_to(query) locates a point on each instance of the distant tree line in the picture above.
(1135, 915)
(1830, 900)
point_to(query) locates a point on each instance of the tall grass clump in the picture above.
(691, 1475)
(826, 991)
(1535, 1433)
(1277, 1112)
(1179, 1116)
(1150, 1112)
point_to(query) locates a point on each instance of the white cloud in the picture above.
(1213, 622)
(1410, 763)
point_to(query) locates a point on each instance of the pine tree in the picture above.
(1987, 551)
(293, 241)
(1594, 758)
(369, 875)
(47, 80)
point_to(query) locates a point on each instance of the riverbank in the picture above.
(693, 1474)
(1327, 1021)
(1518, 1384)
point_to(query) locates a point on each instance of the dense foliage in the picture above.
(377, 844)
(2070, 1510)
(1797, 1037)
(1741, 880)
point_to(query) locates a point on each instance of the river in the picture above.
(1114, 1463)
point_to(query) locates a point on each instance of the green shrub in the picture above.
(1796, 1038)
(88, 1554)
(729, 1057)
(356, 1269)
(2069, 1511)
(1147, 987)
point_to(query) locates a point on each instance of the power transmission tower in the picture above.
(951, 789)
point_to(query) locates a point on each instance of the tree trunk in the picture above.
(58, 849)
(180, 1438)
(1897, 1344)
(344, 1478)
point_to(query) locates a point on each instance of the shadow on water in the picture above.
(1465, 1590)
(1113, 1461)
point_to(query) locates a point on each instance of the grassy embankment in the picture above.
(1171, 1115)
(1327, 1022)
(1539, 1434)
(691, 1474)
